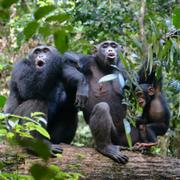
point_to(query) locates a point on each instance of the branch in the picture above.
(93, 165)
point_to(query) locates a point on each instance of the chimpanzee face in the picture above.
(42, 55)
(145, 94)
(141, 98)
(107, 52)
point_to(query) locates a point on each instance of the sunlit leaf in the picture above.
(176, 17)
(42, 172)
(121, 80)
(43, 11)
(31, 126)
(59, 17)
(127, 127)
(109, 77)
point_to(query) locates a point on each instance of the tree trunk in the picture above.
(93, 165)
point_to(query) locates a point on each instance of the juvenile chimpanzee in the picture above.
(104, 111)
(155, 117)
(44, 83)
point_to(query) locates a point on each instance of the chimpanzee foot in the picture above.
(113, 152)
(55, 149)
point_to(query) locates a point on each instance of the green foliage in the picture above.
(2, 101)
(43, 11)
(30, 29)
(42, 172)
(176, 15)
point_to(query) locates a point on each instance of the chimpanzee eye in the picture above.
(37, 51)
(45, 50)
(139, 94)
(105, 45)
(113, 45)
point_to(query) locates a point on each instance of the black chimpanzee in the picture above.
(44, 83)
(104, 111)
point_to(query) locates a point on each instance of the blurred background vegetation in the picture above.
(147, 29)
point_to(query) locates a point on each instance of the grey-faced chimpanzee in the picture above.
(155, 118)
(44, 83)
(104, 111)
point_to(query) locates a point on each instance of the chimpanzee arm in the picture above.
(13, 100)
(75, 82)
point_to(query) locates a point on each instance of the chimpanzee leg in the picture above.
(101, 125)
(154, 130)
(149, 133)
(30, 106)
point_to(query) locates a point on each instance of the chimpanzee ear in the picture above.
(120, 48)
(151, 91)
(94, 49)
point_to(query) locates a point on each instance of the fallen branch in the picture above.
(93, 165)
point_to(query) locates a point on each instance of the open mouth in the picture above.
(111, 56)
(40, 63)
(141, 103)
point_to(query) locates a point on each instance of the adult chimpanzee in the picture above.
(104, 110)
(46, 84)
(155, 117)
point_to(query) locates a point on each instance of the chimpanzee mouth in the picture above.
(111, 56)
(141, 103)
(40, 63)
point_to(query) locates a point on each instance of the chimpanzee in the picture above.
(45, 83)
(155, 117)
(104, 111)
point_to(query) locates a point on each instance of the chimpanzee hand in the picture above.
(81, 99)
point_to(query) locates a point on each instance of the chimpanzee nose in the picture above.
(40, 56)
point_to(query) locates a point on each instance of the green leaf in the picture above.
(43, 11)
(42, 131)
(3, 116)
(109, 77)
(61, 40)
(127, 127)
(45, 31)
(7, 4)
(137, 43)
(176, 17)
(59, 17)
(37, 114)
(42, 172)
(31, 126)
(30, 29)
(123, 60)
(2, 101)
(150, 59)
